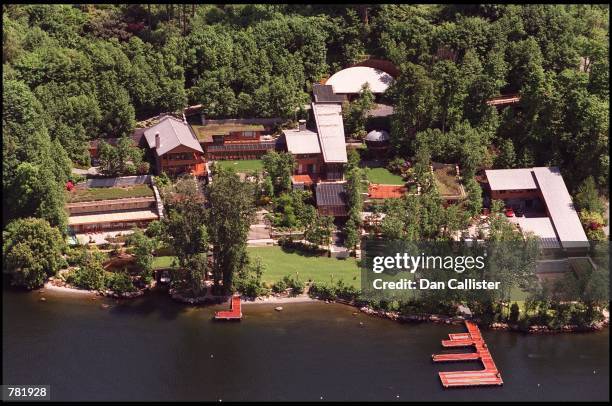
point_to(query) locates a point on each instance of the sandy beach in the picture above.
(63, 289)
(280, 300)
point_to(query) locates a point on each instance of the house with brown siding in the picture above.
(236, 138)
(175, 148)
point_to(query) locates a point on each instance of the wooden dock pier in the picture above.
(235, 312)
(488, 376)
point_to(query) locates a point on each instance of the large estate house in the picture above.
(174, 147)
(547, 205)
(236, 138)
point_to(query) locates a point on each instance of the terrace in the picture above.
(205, 133)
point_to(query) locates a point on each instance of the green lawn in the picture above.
(319, 269)
(104, 193)
(162, 262)
(383, 176)
(279, 263)
(242, 165)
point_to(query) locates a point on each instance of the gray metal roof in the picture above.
(560, 207)
(557, 199)
(511, 179)
(172, 133)
(377, 136)
(330, 128)
(542, 227)
(325, 93)
(302, 142)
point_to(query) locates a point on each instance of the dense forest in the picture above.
(75, 73)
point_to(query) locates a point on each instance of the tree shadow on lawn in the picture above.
(304, 251)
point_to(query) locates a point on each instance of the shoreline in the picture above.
(280, 300)
(304, 298)
(63, 289)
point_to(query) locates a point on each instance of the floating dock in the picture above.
(488, 376)
(234, 313)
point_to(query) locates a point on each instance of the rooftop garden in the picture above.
(207, 131)
(109, 193)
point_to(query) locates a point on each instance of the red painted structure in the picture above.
(504, 100)
(235, 312)
(488, 376)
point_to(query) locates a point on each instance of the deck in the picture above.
(488, 376)
(235, 312)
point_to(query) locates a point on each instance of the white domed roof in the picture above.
(350, 80)
(377, 136)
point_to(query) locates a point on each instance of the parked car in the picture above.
(509, 212)
(165, 277)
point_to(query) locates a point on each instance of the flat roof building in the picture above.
(546, 184)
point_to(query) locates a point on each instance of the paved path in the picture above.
(84, 172)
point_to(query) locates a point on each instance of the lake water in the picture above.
(154, 349)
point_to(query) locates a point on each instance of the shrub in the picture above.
(143, 168)
(251, 287)
(90, 276)
(396, 165)
(119, 282)
(249, 282)
(296, 286)
(322, 291)
(279, 286)
(89, 273)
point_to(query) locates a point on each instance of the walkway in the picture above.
(488, 376)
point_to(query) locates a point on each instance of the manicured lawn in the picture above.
(242, 165)
(279, 263)
(383, 176)
(162, 262)
(104, 193)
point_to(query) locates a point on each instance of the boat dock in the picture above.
(234, 313)
(488, 376)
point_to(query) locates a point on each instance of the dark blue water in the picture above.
(154, 349)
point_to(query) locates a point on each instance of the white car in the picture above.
(165, 277)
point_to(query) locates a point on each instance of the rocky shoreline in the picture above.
(59, 285)
(441, 319)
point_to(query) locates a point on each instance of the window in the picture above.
(248, 134)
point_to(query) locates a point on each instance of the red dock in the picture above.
(488, 376)
(235, 312)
